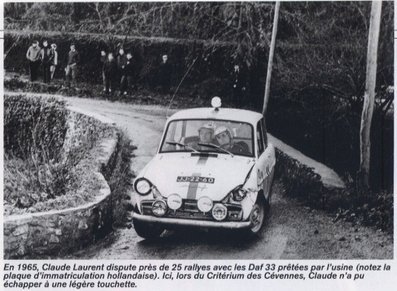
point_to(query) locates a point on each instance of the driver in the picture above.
(205, 136)
(225, 139)
(206, 133)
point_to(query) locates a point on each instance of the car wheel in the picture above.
(257, 216)
(147, 230)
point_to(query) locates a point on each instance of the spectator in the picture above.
(46, 60)
(239, 86)
(121, 63)
(110, 73)
(165, 72)
(54, 62)
(128, 75)
(71, 68)
(33, 56)
(103, 61)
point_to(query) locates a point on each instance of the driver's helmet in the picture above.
(208, 125)
(221, 129)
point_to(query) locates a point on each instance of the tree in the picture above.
(369, 96)
(271, 53)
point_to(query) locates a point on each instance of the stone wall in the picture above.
(45, 234)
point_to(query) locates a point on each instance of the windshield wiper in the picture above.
(182, 145)
(211, 145)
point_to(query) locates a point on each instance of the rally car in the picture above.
(213, 169)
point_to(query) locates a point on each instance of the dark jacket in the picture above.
(121, 62)
(129, 68)
(73, 58)
(239, 148)
(165, 73)
(110, 68)
(238, 78)
(46, 55)
(103, 61)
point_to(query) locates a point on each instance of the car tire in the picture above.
(257, 216)
(147, 230)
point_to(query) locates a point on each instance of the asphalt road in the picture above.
(292, 231)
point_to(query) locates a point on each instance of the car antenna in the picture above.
(180, 83)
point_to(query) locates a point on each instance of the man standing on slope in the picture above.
(71, 68)
(33, 56)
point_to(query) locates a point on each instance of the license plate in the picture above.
(195, 179)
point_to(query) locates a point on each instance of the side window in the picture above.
(264, 132)
(259, 138)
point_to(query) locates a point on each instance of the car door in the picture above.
(266, 160)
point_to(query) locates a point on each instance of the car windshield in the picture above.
(206, 135)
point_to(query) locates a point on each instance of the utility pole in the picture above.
(369, 96)
(271, 54)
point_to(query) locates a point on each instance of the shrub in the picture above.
(301, 182)
(33, 126)
(298, 180)
(49, 162)
(372, 209)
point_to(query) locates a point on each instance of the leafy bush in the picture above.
(36, 187)
(33, 126)
(372, 208)
(300, 182)
(49, 162)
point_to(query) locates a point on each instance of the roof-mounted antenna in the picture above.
(180, 83)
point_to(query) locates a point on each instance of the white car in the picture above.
(214, 169)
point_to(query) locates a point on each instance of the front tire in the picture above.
(147, 230)
(257, 216)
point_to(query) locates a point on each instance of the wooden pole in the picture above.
(271, 54)
(369, 96)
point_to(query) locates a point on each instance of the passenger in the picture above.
(225, 139)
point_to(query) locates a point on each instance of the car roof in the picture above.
(232, 114)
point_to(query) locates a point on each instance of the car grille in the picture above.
(189, 210)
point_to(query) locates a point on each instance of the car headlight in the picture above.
(159, 208)
(204, 204)
(142, 186)
(219, 212)
(174, 201)
(239, 193)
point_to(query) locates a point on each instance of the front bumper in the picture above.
(189, 222)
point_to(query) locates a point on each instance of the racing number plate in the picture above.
(195, 179)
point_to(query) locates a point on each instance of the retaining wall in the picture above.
(44, 234)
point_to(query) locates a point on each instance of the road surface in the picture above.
(292, 230)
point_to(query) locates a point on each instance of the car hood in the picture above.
(193, 177)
